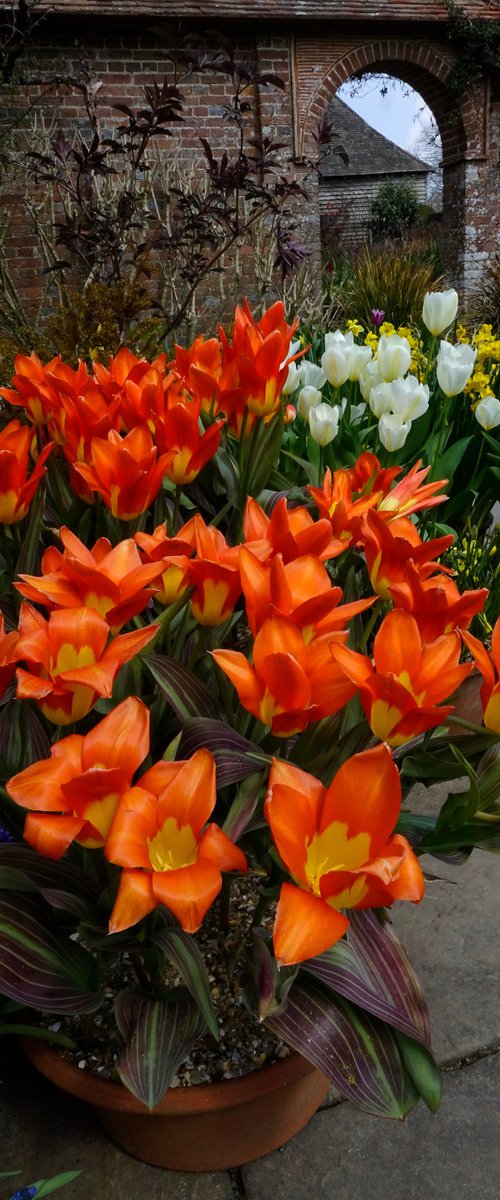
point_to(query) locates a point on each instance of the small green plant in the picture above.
(43, 1187)
(475, 557)
(394, 210)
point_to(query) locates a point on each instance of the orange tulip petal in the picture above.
(135, 824)
(134, 901)
(121, 739)
(398, 647)
(366, 796)
(221, 851)
(304, 925)
(188, 892)
(189, 796)
(51, 835)
(242, 676)
(39, 786)
(410, 883)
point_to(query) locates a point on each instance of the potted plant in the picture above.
(220, 686)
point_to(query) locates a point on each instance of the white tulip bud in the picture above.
(324, 423)
(410, 399)
(454, 367)
(488, 412)
(337, 338)
(292, 380)
(381, 399)
(439, 310)
(310, 375)
(393, 432)
(309, 397)
(361, 356)
(394, 356)
(336, 363)
(369, 378)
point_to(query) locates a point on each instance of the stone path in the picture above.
(454, 941)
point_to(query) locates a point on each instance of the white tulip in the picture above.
(355, 412)
(393, 432)
(292, 380)
(381, 399)
(454, 367)
(488, 412)
(369, 378)
(324, 423)
(361, 356)
(394, 356)
(336, 363)
(410, 399)
(309, 397)
(310, 374)
(439, 310)
(337, 338)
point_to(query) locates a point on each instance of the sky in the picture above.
(400, 115)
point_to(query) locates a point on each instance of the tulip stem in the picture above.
(374, 615)
(177, 509)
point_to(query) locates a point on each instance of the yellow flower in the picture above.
(354, 327)
(387, 328)
(371, 340)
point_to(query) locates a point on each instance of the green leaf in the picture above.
(183, 952)
(446, 465)
(159, 1035)
(422, 1069)
(358, 1054)
(45, 1186)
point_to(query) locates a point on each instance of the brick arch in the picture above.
(420, 66)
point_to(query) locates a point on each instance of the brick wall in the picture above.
(313, 61)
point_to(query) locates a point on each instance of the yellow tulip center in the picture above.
(333, 850)
(209, 611)
(173, 847)
(70, 659)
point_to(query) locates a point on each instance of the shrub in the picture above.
(386, 279)
(394, 210)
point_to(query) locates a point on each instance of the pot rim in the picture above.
(200, 1097)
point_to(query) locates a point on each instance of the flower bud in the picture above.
(410, 399)
(324, 423)
(488, 412)
(292, 380)
(392, 431)
(309, 397)
(310, 375)
(394, 356)
(454, 367)
(361, 356)
(336, 363)
(369, 378)
(439, 310)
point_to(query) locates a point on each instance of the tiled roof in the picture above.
(370, 153)
(311, 10)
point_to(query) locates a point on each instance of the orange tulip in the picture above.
(436, 604)
(206, 378)
(290, 684)
(146, 400)
(113, 581)
(79, 417)
(187, 450)
(300, 590)
(125, 471)
(71, 660)
(261, 349)
(125, 367)
(400, 696)
(172, 556)
(74, 794)
(169, 854)
(214, 573)
(490, 670)
(347, 496)
(16, 490)
(31, 389)
(339, 847)
(8, 655)
(291, 532)
(390, 547)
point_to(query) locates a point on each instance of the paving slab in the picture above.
(343, 1154)
(43, 1132)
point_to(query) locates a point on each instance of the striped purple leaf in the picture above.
(40, 966)
(188, 696)
(159, 1035)
(357, 1053)
(235, 756)
(182, 951)
(371, 969)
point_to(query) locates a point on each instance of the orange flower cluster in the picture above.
(157, 831)
(126, 427)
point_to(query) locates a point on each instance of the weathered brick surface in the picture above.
(313, 63)
(305, 10)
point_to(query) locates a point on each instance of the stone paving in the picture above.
(343, 1154)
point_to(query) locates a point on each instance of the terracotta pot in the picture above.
(207, 1127)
